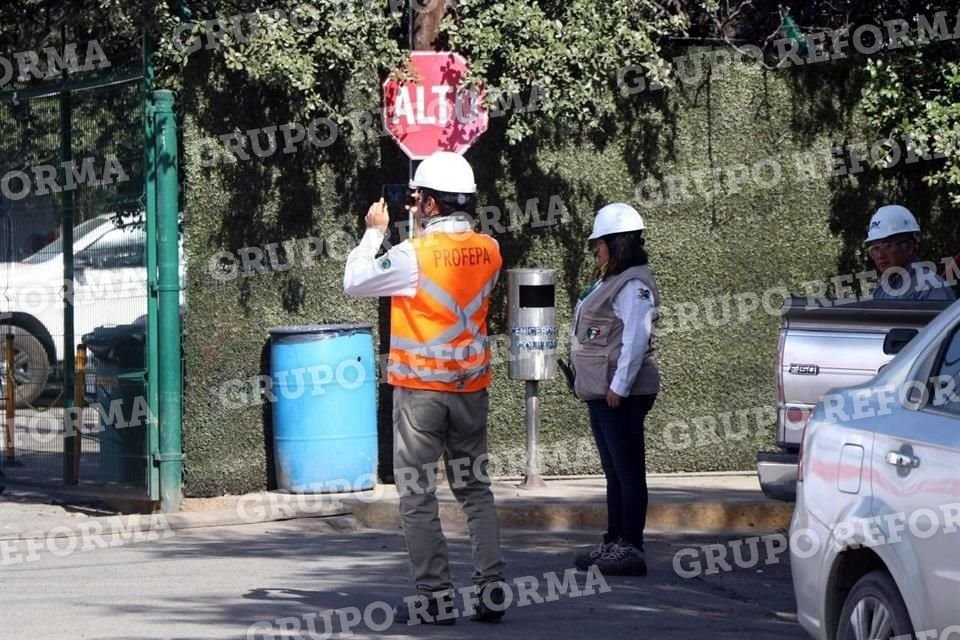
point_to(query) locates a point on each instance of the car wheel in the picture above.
(31, 368)
(874, 610)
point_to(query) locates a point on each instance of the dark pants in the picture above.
(619, 437)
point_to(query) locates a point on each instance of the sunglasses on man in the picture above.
(886, 245)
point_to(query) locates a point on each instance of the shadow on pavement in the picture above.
(221, 582)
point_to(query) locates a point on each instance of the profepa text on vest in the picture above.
(461, 257)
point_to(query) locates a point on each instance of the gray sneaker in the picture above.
(588, 555)
(622, 560)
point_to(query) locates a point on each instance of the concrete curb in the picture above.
(700, 517)
(571, 507)
(247, 509)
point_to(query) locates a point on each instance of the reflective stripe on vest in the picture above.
(464, 323)
(436, 343)
(432, 375)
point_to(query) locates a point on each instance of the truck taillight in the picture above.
(797, 418)
(780, 396)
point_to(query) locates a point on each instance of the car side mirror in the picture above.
(897, 339)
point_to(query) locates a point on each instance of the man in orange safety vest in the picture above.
(439, 284)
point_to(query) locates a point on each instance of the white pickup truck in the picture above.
(828, 344)
(110, 287)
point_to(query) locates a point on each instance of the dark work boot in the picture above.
(411, 610)
(490, 607)
(622, 560)
(588, 555)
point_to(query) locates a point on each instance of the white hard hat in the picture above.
(616, 218)
(891, 220)
(444, 171)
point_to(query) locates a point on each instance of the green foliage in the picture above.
(570, 50)
(305, 52)
(105, 120)
(31, 25)
(917, 94)
(512, 46)
(911, 90)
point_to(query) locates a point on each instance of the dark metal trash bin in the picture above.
(121, 402)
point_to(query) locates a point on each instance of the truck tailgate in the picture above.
(835, 346)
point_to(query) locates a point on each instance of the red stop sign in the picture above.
(434, 112)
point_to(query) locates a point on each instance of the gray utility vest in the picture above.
(598, 338)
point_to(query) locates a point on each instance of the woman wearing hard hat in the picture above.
(615, 373)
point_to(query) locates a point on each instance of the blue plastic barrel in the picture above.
(325, 411)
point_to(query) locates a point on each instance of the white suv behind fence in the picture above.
(110, 288)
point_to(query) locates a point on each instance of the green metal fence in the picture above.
(76, 266)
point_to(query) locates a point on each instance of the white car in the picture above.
(110, 288)
(875, 535)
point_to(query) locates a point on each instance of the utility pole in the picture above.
(428, 14)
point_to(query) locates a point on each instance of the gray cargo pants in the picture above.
(426, 424)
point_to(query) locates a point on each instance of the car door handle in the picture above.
(899, 459)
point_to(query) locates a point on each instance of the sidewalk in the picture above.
(695, 503)
(703, 502)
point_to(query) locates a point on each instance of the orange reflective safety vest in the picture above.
(438, 337)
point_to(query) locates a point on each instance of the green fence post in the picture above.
(150, 198)
(67, 221)
(168, 287)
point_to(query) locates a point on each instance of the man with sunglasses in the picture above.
(439, 283)
(892, 245)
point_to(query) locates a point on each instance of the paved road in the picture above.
(216, 583)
